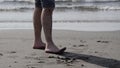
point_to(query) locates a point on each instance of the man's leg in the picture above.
(38, 44)
(46, 19)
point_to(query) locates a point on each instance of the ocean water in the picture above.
(17, 5)
(64, 17)
(68, 14)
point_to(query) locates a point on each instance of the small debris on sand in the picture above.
(41, 62)
(82, 65)
(96, 51)
(9, 66)
(74, 45)
(12, 52)
(102, 41)
(81, 45)
(51, 57)
(1, 54)
(33, 67)
(82, 41)
(15, 62)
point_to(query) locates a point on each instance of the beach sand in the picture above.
(85, 49)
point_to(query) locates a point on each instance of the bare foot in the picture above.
(51, 48)
(39, 45)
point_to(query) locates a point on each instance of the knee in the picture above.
(38, 9)
(48, 10)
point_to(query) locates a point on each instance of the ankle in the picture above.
(38, 40)
(50, 43)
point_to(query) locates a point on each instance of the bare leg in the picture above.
(46, 19)
(38, 44)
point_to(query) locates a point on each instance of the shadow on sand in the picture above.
(104, 62)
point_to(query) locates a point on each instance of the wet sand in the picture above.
(85, 49)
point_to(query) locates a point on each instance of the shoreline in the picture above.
(66, 26)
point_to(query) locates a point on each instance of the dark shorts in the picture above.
(45, 3)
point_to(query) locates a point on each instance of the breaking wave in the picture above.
(88, 6)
